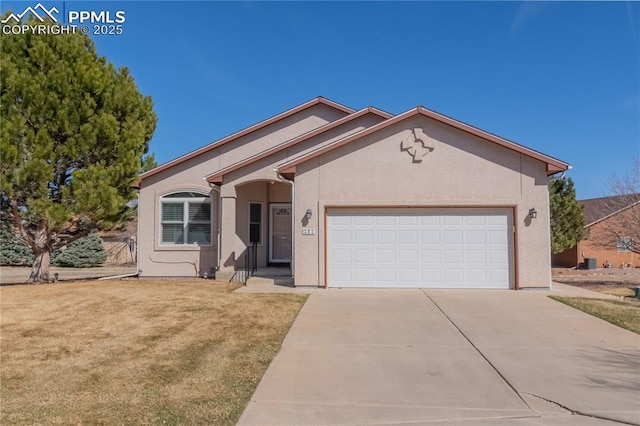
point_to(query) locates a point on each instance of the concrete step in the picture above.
(284, 281)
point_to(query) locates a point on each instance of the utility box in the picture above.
(590, 263)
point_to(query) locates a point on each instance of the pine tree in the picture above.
(73, 135)
(85, 252)
(567, 220)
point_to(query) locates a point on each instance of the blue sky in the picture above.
(559, 77)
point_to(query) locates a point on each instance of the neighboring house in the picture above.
(601, 217)
(351, 198)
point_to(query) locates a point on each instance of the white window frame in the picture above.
(205, 199)
(261, 203)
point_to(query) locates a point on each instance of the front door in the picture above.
(280, 233)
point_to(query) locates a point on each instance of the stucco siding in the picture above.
(264, 168)
(157, 260)
(461, 171)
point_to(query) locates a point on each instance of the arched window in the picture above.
(185, 218)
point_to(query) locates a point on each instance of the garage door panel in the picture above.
(385, 220)
(476, 257)
(497, 257)
(362, 221)
(475, 220)
(475, 237)
(431, 276)
(386, 237)
(430, 220)
(497, 220)
(363, 275)
(387, 276)
(362, 237)
(451, 220)
(342, 257)
(407, 257)
(437, 248)
(363, 256)
(430, 257)
(475, 275)
(341, 237)
(430, 237)
(407, 220)
(453, 257)
(341, 276)
(408, 237)
(408, 276)
(498, 275)
(497, 238)
(386, 256)
(452, 237)
(453, 276)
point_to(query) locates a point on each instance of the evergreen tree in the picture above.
(567, 221)
(85, 252)
(74, 132)
(13, 251)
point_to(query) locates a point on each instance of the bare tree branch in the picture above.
(618, 216)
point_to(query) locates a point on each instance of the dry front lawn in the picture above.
(136, 352)
(622, 314)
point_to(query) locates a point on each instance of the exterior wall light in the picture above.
(308, 214)
(533, 213)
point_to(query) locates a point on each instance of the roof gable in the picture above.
(553, 165)
(218, 176)
(247, 131)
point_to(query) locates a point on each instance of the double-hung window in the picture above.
(185, 218)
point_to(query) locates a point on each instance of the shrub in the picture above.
(14, 251)
(82, 253)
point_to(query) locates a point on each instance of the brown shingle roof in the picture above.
(596, 209)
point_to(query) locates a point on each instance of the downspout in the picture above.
(293, 221)
(219, 223)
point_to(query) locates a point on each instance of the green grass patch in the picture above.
(622, 314)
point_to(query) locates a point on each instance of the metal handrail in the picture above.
(250, 261)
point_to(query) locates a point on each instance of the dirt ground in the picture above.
(616, 281)
(20, 274)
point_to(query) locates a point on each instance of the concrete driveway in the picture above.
(449, 357)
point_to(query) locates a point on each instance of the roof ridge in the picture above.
(246, 131)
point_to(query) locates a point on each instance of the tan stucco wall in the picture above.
(156, 260)
(241, 184)
(462, 171)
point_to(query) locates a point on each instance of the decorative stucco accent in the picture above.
(417, 144)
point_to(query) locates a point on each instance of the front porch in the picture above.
(256, 232)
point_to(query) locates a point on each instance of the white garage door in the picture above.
(429, 248)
